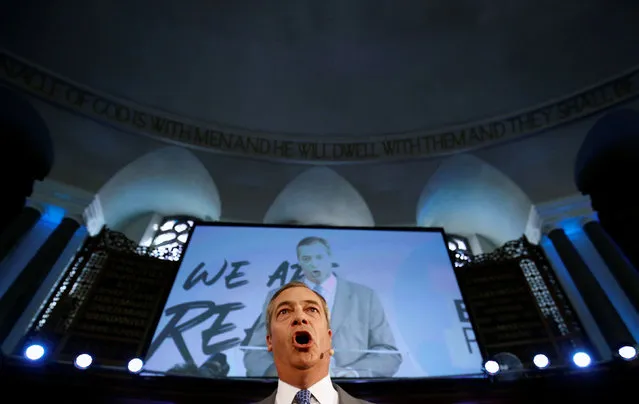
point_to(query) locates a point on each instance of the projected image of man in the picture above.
(359, 322)
(314, 257)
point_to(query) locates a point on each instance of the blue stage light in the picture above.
(627, 352)
(34, 352)
(491, 367)
(135, 365)
(581, 359)
(541, 361)
(83, 361)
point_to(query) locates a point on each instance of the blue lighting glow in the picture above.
(83, 361)
(541, 361)
(135, 365)
(491, 367)
(627, 352)
(53, 214)
(34, 352)
(581, 359)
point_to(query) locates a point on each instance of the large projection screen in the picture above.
(395, 306)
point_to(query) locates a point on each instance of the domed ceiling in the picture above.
(318, 68)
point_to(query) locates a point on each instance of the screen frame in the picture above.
(291, 225)
(209, 223)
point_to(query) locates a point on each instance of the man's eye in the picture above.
(314, 308)
(283, 311)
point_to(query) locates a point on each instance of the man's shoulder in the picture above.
(357, 288)
(268, 400)
(345, 398)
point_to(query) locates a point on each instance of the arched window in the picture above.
(171, 236)
(459, 248)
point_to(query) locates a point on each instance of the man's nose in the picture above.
(300, 319)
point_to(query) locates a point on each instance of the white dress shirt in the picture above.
(322, 392)
(329, 287)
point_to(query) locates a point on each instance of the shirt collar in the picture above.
(328, 284)
(323, 391)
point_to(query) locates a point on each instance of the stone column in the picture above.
(626, 275)
(610, 323)
(20, 226)
(20, 293)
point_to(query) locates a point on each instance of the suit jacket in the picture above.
(344, 397)
(358, 323)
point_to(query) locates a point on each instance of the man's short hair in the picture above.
(294, 284)
(314, 240)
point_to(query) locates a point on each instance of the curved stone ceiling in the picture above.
(468, 196)
(331, 67)
(320, 196)
(169, 181)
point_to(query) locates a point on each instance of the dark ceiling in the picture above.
(329, 67)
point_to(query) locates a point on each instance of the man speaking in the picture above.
(299, 336)
(364, 343)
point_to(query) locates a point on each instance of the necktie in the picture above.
(303, 397)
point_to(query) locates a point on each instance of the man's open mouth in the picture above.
(302, 339)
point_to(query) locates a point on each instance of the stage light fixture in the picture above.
(135, 365)
(491, 367)
(34, 352)
(581, 359)
(541, 361)
(83, 361)
(627, 352)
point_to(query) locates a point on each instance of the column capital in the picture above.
(68, 198)
(75, 217)
(39, 206)
(547, 228)
(588, 219)
(550, 229)
(570, 223)
(560, 212)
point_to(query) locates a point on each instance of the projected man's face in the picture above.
(315, 261)
(300, 337)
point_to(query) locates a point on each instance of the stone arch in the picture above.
(469, 197)
(27, 148)
(605, 169)
(167, 181)
(319, 196)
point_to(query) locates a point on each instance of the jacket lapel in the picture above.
(344, 397)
